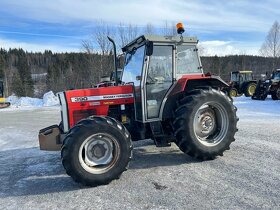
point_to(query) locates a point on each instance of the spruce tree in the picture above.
(25, 75)
(2, 66)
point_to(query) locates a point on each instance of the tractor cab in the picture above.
(152, 65)
(275, 77)
(242, 82)
(3, 103)
(241, 76)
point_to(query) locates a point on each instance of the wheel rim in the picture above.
(99, 153)
(210, 124)
(233, 93)
(251, 89)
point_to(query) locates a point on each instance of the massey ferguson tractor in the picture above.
(162, 95)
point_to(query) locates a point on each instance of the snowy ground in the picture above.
(246, 177)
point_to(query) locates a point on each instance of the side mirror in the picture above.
(149, 48)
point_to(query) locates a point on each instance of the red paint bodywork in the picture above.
(78, 110)
(82, 109)
(182, 82)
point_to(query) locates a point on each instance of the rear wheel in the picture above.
(205, 123)
(96, 151)
(250, 89)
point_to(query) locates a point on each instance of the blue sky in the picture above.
(223, 27)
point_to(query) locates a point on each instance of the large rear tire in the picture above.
(96, 151)
(250, 89)
(276, 94)
(205, 123)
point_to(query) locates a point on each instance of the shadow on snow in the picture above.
(29, 171)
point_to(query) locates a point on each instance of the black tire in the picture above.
(264, 96)
(275, 95)
(95, 131)
(223, 127)
(250, 89)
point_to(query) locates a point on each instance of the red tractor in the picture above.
(163, 95)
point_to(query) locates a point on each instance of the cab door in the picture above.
(133, 74)
(158, 80)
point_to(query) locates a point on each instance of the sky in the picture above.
(223, 27)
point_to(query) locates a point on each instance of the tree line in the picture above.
(33, 74)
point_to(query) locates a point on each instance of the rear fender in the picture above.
(186, 84)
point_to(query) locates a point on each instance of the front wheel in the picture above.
(276, 94)
(96, 151)
(205, 123)
(233, 92)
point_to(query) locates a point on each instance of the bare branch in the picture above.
(149, 29)
(271, 45)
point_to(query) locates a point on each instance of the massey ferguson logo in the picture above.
(118, 96)
(98, 98)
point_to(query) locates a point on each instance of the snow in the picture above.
(49, 99)
(248, 107)
(246, 177)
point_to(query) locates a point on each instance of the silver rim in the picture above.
(210, 124)
(99, 153)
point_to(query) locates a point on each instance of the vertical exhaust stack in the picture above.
(115, 61)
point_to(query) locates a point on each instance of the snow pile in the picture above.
(49, 99)
(27, 101)
(12, 99)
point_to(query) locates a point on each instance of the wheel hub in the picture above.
(98, 151)
(205, 123)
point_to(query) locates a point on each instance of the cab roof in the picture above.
(159, 39)
(243, 72)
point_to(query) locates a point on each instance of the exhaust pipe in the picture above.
(115, 60)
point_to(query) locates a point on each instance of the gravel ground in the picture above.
(246, 177)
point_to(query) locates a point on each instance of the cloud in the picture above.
(32, 47)
(223, 48)
(238, 15)
(233, 23)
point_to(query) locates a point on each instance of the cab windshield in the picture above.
(133, 66)
(276, 76)
(234, 77)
